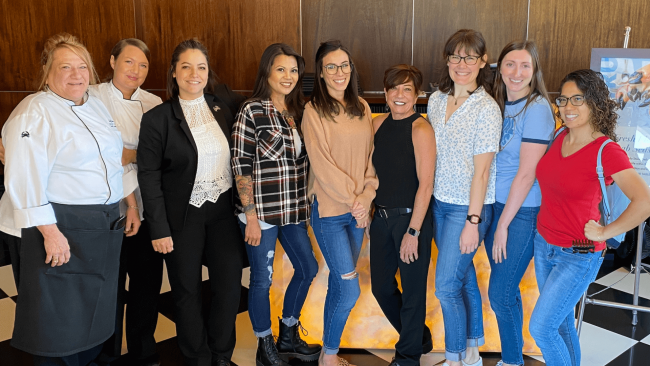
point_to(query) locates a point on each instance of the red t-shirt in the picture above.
(570, 189)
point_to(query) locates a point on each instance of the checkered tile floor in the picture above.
(608, 338)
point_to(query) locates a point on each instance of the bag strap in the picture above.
(557, 133)
(601, 179)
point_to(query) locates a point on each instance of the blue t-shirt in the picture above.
(535, 125)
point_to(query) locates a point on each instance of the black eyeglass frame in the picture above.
(463, 58)
(571, 98)
(337, 67)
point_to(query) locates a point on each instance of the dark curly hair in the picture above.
(596, 93)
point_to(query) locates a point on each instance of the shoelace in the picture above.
(272, 351)
(304, 333)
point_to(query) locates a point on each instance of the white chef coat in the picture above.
(7, 217)
(127, 114)
(59, 152)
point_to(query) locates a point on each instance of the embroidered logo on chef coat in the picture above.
(112, 123)
(24, 134)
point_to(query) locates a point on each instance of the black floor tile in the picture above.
(10, 356)
(617, 320)
(639, 355)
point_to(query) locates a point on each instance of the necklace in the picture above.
(289, 119)
(456, 99)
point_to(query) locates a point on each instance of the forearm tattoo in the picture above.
(245, 189)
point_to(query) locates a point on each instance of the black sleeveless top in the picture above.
(394, 161)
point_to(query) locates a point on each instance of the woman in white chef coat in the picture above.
(9, 235)
(63, 174)
(126, 102)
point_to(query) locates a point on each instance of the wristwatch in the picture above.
(411, 231)
(474, 219)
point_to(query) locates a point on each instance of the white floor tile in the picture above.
(246, 277)
(646, 340)
(627, 284)
(7, 283)
(246, 347)
(204, 273)
(600, 346)
(537, 357)
(431, 359)
(7, 314)
(165, 329)
(385, 354)
(165, 281)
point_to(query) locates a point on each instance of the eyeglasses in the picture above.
(333, 69)
(576, 100)
(469, 60)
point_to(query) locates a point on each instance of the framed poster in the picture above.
(627, 75)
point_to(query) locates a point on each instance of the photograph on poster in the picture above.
(627, 75)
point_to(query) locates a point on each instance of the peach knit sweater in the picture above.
(340, 158)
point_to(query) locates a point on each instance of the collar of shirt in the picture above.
(120, 95)
(67, 101)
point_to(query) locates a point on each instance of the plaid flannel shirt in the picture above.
(264, 148)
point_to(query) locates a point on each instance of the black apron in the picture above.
(71, 308)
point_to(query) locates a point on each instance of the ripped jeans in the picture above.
(296, 243)
(340, 242)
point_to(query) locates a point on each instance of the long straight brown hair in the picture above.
(323, 102)
(261, 90)
(537, 86)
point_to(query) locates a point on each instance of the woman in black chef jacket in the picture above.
(186, 183)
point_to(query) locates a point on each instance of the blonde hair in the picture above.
(64, 40)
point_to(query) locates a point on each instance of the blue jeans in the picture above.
(456, 285)
(562, 278)
(504, 294)
(296, 243)
(340, 242)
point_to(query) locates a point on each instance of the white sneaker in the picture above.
(477, 363)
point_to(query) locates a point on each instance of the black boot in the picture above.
(291, 345)
(267, 354)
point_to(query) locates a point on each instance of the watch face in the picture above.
(473, 219)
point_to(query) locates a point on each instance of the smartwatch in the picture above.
(474, 219)
(411, 231)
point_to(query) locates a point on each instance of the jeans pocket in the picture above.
(575, 256)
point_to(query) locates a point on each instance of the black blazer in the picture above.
(167, 159)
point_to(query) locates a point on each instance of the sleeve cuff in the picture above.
(365, 198)
(35, 216)
(130, 181)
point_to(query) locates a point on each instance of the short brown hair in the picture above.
(469, 40)
(64, 40)
(401, 74)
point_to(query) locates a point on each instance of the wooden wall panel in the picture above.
(26, 24)
(500, 21)
(235, 33)
(566, 33)
(377, 33)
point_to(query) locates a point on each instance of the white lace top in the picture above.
(213, 174)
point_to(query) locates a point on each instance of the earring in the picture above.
(387, 108)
